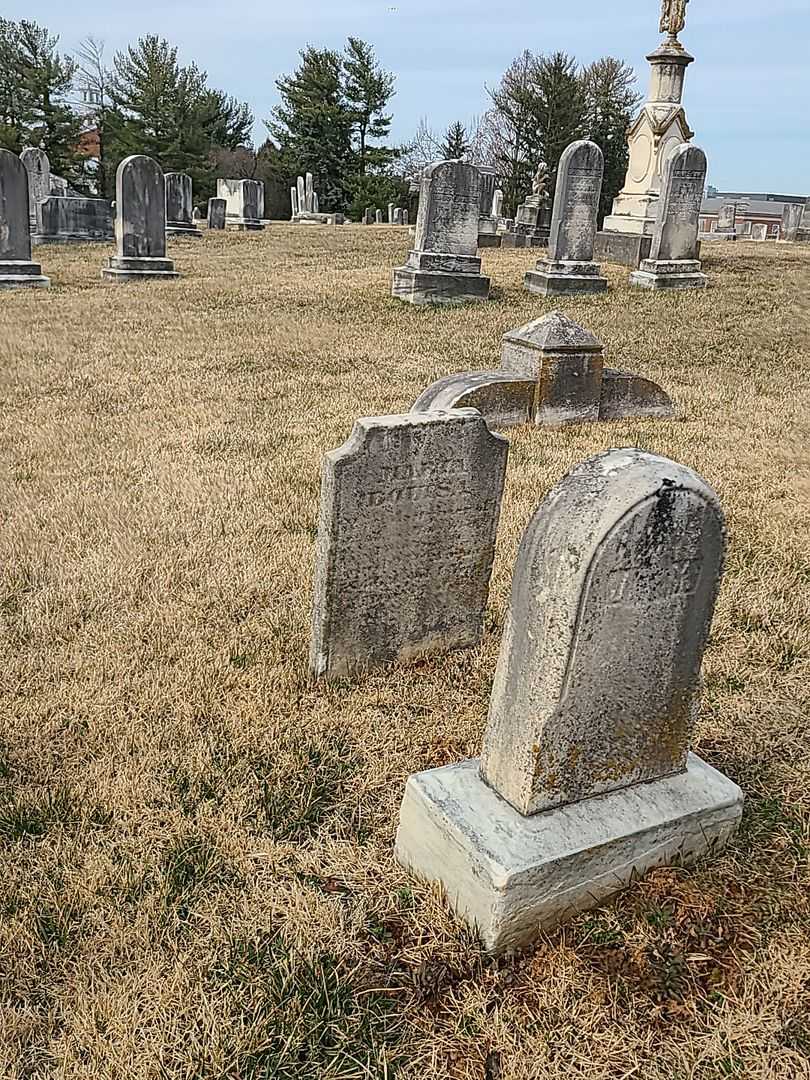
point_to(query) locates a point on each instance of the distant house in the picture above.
(752, 209)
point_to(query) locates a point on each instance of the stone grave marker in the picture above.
(180, 206)
(244, 201)
(569, 267)
(63, 220)
(791, 220)
(217, 209)
(16, 268)
(759, 232)
(140, 223)
(39, 180)
(673, 261)
(444, 267)
(409, 515)
(586, 780)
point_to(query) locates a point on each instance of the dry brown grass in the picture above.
(196, 872)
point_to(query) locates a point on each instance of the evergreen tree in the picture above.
(511, 133)
(35, 83)
(610, 101)
(556, 103)
(456, 146)
(169, 113)
(368, 89)
(313, 126)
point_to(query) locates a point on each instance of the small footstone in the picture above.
(17, 271)
(586, 780)
(673, 261)
(444, 266)
(569, 267)
(409, 515)
(140, 223)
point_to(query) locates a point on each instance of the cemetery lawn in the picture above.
(196, 871)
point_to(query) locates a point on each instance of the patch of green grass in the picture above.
(26, 818)
(301, 1016)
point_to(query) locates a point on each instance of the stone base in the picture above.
(70, 238)
(120, 269)
(513, 877)
(524, 240)
(489, 240)
(503, 399)
(565, 278)
(668, 275)
(438, 286)
(627, 249)
(633, 213)
(22, 275)
(244, 225)
(190, 231)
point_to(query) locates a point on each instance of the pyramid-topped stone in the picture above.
(554, 333)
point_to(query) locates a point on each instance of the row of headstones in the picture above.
(444, 266)
(305, 204)
(148, 205)
(586, 779)
(396, 216)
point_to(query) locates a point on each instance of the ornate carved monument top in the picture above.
(540, 181)
(673, 17)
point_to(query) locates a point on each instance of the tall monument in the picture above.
(657, 131)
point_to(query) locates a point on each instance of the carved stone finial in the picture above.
(673, 17)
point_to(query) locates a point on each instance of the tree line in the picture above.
(333, 119)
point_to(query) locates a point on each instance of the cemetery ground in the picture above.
(196, 868)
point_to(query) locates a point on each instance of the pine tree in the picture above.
(511, 132)
(368, 90)
(456, 146)
(556, 102)
(610, 100)
(313, 126)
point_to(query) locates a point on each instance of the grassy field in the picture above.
(196, 871)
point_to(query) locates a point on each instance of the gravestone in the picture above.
(405, 217)
(16, 268)
(397, 215)
(759, 232)
(73, 221)
(140, 223)
(444, 267)
(217, 209)
(244, 201)
(196, 215)
(409, 515)
(569, 267)
(368, 216)
(552, 373)
(727, 221)
(803, 231)
(378, 217)
(791, 220)
(39, 180)
(586, 780)
(390, 213)
(497, 204)
(180, 206)
(673, 261)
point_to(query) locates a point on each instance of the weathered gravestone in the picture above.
(444, 267)
(140, 223)
(673, 261)
(727, 221)
(39, 180)
(791, 220)
(586, 779)
(217, 208)
(244, 204)
(569, 266)
(179, 206)
(759, 232)
(552, 373)
(16, 268)
(409, 515)
(73, 221)
(803, 231)
(378, 217)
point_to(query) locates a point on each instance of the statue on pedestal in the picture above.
(540, 183)
(673, 17)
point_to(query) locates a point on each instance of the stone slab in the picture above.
(626, 249)
(626, 396)
(551, 281)
(512, 877)
(132, 269)
(406, 540)
(22, 275)
(435, 287)
(649, 277)
(63, 220)
(503, 399)
(489, 240)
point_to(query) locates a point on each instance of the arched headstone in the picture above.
(180, 206)
(39, 179)
(586, 780)
(140, 222)
(569, 266)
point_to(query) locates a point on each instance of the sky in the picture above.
(747, 96)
